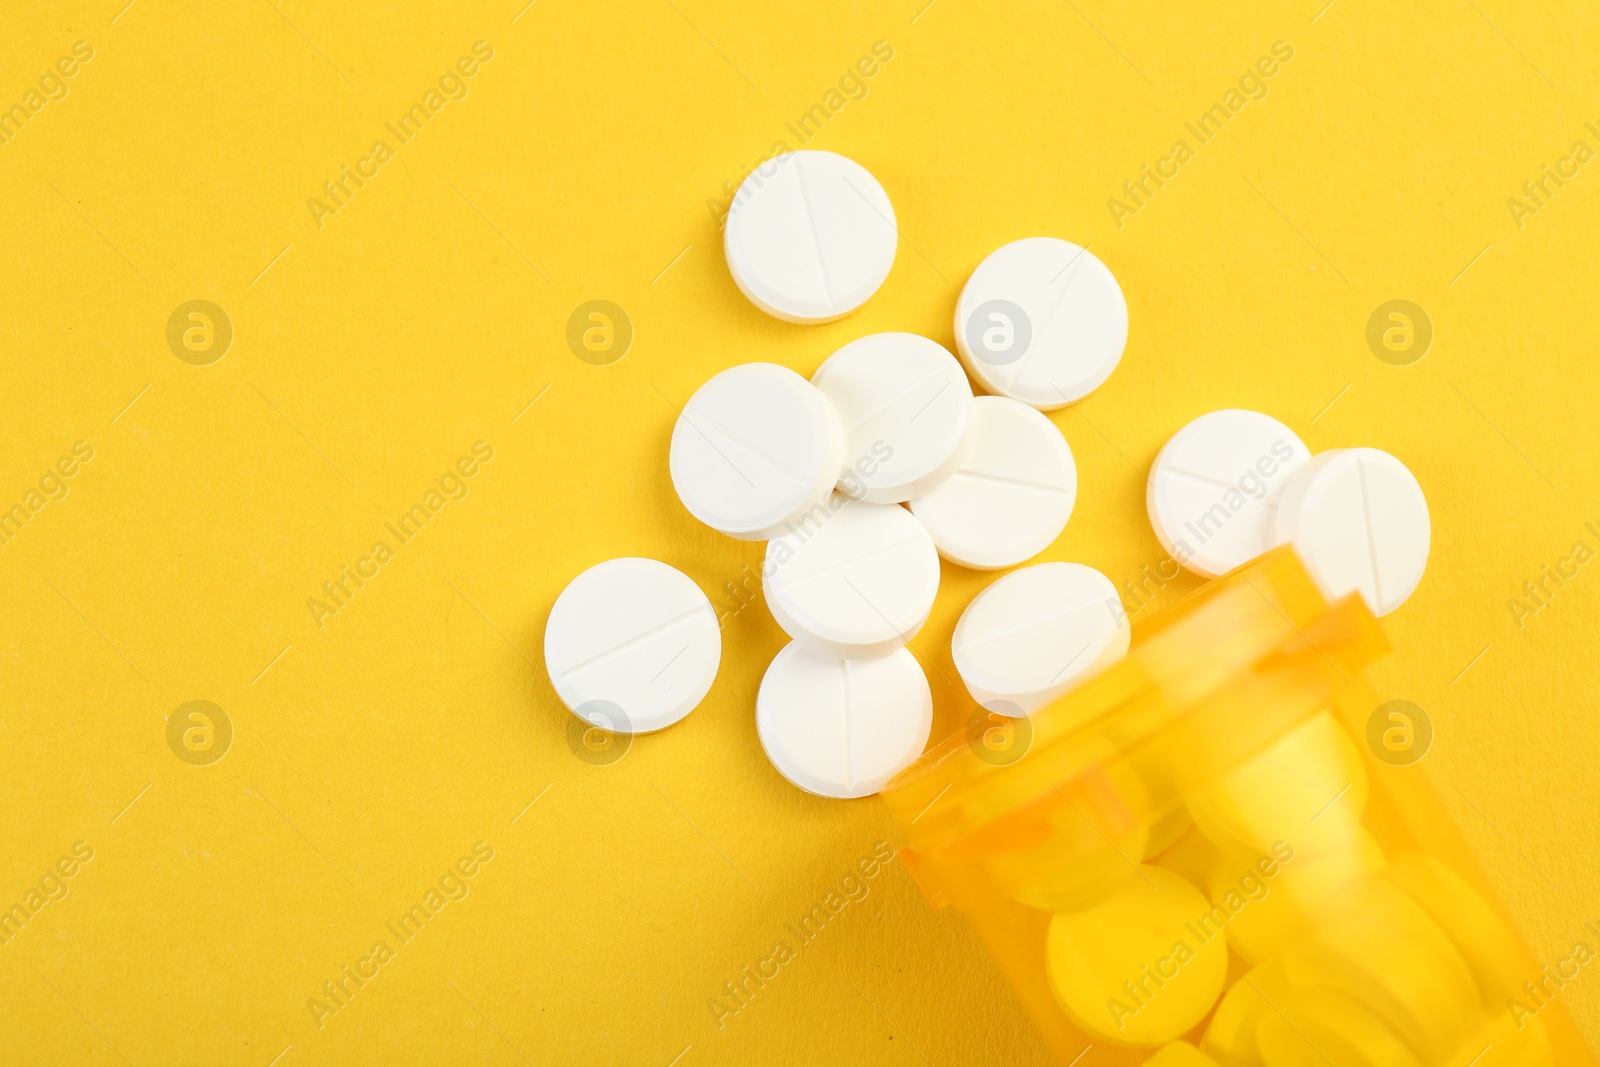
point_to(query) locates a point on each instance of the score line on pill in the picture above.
(852, 580)
(843, 728)
(1010, 497)
(810, 236)
(1359, 521)
(753, 448)
(632, 645)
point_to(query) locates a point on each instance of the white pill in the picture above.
(632, 645)
(810, 236)
(851, 580)
(1010, 497)
(1214, 488)
(1360, 522)
(753, 448)
(1042, 321)
(905, 406)
(843, 728)
(1036, 633)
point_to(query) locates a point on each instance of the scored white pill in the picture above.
(632, 645)
(843, 728)
(810, 236)
(753, 448)
(851, 580)
(905, 406)
(1359, 520)
(1042, 321)
(1215, 487)
(1010, 497)
(1036, 633)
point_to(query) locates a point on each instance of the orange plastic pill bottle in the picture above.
(1198, 858)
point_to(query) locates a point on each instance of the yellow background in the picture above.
(370, 353)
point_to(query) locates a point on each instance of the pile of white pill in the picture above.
(860, 479)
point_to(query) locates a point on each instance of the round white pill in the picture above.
(850, 580)
(753, 448)
(1042, 321)
(1010, 497)
(632, 645)
(1214, 488)
(1359, 520)
(810, 236)
(843, 728)
(1036, 633)
(905, 406)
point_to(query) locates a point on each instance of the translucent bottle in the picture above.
(1197, 859)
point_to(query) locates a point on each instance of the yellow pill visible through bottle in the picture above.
(1483, 939)
(1134, 969)
(1266, 905)
(1384, 952)
(1308, 789)
(1230, 1037)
